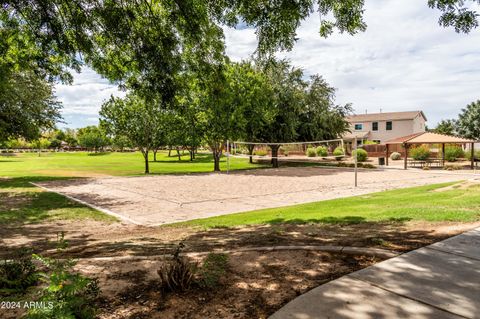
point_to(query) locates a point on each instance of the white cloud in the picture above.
(82, 100)
(404, 61)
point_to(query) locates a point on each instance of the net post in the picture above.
(228, 157)
(356, 166)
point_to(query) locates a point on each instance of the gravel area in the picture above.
(163, 199)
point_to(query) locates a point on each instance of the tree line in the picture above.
(248, 101)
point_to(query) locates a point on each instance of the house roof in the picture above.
(356, 134)
(387, 116)
(429, 138)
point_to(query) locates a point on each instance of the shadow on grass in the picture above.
(32, 207)
(99, 154)
(324, 220)
(13, 182)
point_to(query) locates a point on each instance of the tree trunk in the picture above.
(216, 160)
(192, 153)
(217, 154)
(155, 155)
(179, 155)
(169, 151)
(145, 156)
(250, 148)
(274, 155)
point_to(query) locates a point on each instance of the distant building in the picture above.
(381, 127)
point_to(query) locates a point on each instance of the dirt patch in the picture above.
(254, 286)
(255, 283)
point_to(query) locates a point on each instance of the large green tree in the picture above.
(321, 118)
(92, 137)
(253, 93)
(468, 124)
(28, 106)
(448, 127)
(134, 118)
(287, 102)
(220, 110)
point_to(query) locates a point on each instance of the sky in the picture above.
(404, 61)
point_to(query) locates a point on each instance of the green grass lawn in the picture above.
(425, 203)
(116, 164)
(20, 202)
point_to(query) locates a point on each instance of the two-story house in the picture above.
(381, 127)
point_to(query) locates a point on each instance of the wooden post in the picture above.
(386, 153)
(443, 154)
(472, 158)
(405, 161)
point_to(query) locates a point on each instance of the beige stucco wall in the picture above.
(400, 128)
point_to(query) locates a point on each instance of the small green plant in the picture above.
(370, 142)
(311, 152)
(67, 293)
(213, 268)
(452, 153)
(321, 151)
(177, 274)
(260, 152)
(395, 156)
(420, 153)
(362, 155)
(476, 155)
(17, 273)
(339, 152)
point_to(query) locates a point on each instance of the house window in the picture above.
(374, 126)
(358, 127)
(389, 126)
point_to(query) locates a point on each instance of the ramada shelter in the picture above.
(428, 138)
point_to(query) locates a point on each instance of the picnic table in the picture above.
(428, 162)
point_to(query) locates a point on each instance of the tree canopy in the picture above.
(27, 106)
(468, 124)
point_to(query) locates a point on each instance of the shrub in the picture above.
(321, 151)
(361, 155)
(339, 151)
(177, 274)
(420, 153)
(395, 156)
(311, 152)
(260, 152)
(476, 155)
(18, 273)
(452, 153)
(213, 268)
(370, 142)
(68, 294)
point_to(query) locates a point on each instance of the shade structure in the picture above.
(430, 138)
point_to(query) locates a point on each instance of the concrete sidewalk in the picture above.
(438, 281)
